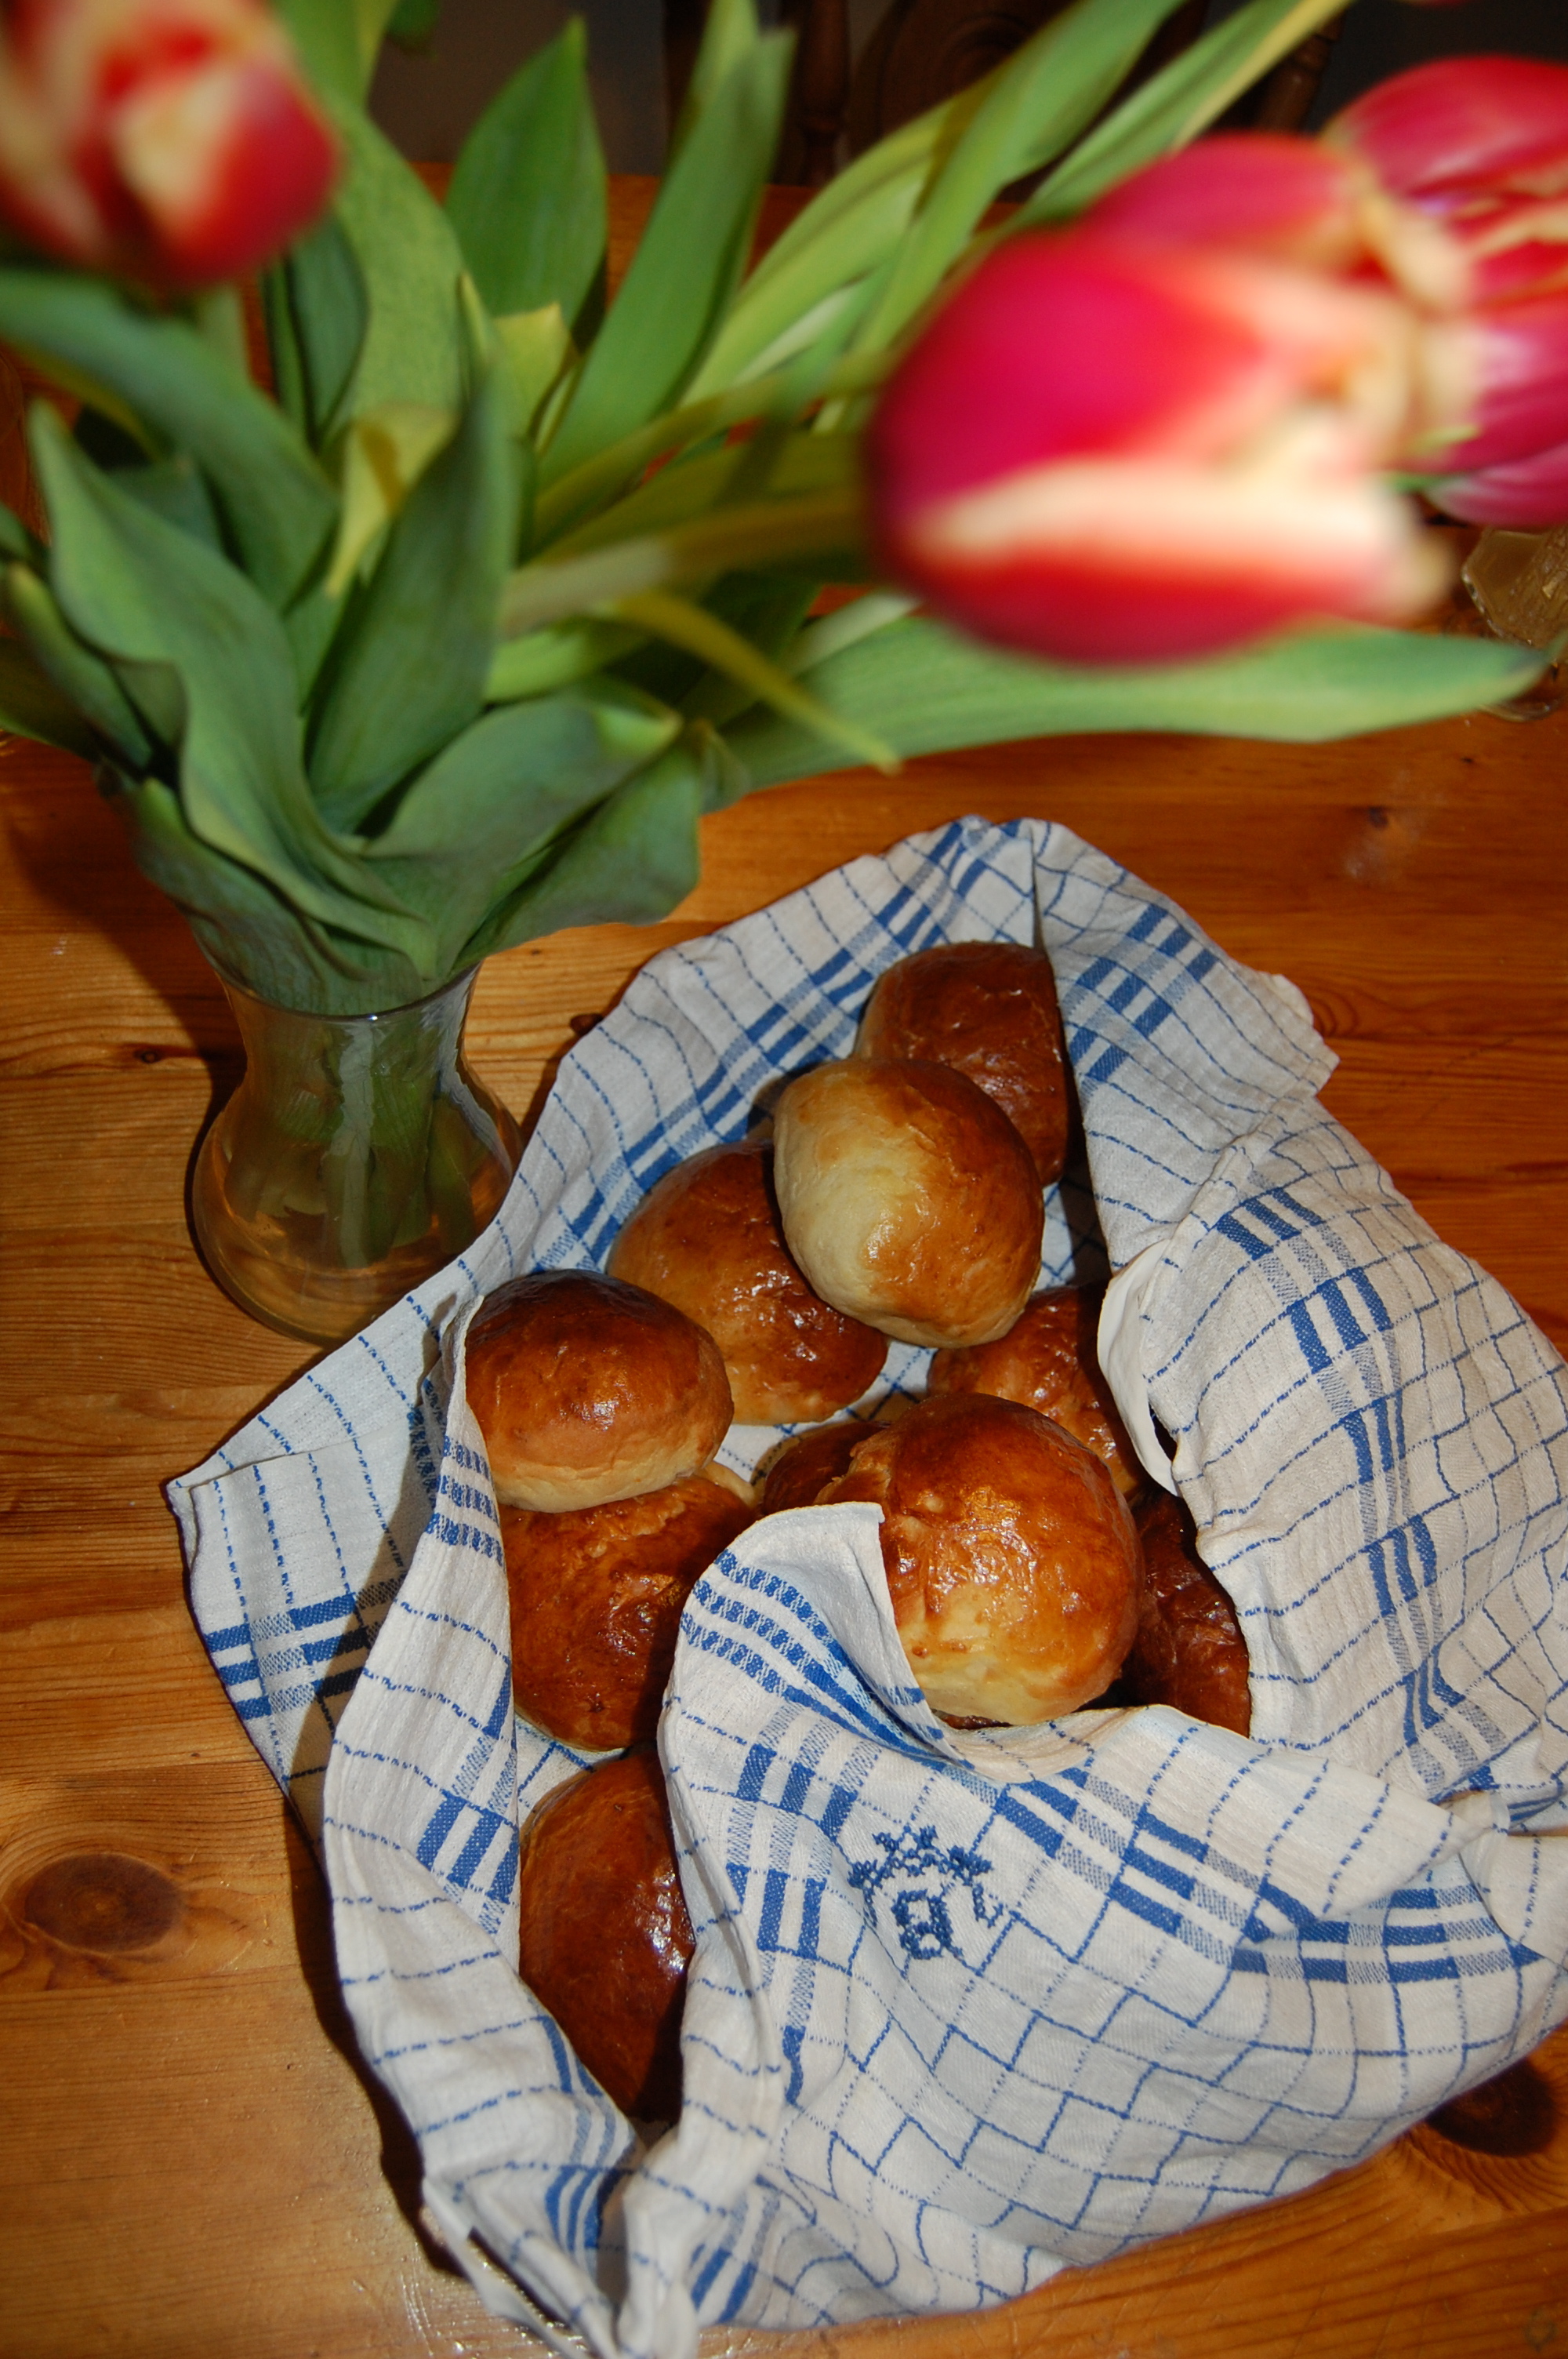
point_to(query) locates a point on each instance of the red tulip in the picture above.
(1108, 451)
(171, 140)
(1480, 146)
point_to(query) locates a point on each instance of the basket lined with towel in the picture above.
(964, 2008)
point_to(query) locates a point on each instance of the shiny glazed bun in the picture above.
(1189, 1651)
(706, 1238)
(1011, 1561)
(606, 1940)
(908, 1198)
(596, 1605)
(586, 1390)
(799, 1474)
(1047, 1360)
(990, 1009)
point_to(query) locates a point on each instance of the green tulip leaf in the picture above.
(554, 656)
(410, 263)
(326, 34)
(273, 499)
(32, 706)
(487, 811)
(730, 34)
(328, 317)
(686, 267)
(250, 931)
(408, 670)
(337, 42)
(527, 198)
(630, 860)
(147, 593)
(848, 231)
(700, 489)
(1175, 105)
(79, 674)
(176, 490)
(926, 691)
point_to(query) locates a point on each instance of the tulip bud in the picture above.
(1111, 451)
(1480, 147)
(170, 140)
(1260, 191)
(1528, 493)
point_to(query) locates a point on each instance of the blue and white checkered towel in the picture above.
(963, 2007)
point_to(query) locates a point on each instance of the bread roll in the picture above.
(990, 1009)
(1189, 1651)
(1047, 1360)
(586, 1389)
(605, 1938)
(1012, 1560)
(707, 1238)
(799, 1474)
(596, 1605)
(908, 1198)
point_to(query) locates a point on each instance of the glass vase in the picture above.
(357, 1155)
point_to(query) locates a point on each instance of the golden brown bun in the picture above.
(1047, 1360)
(1189, 1650)
(801, 1473)
(606, 1940)
(596, 1605)
(908, 1198)
(707, 1239)
(990, 1009)
(1011, 1561)
(587, 1390)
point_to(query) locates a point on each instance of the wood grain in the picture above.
(193, 2163)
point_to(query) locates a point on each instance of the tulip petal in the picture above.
(1143, 561)
(228, 164)
(1062, 346)
(1263, 190)
(1530, 495)
(1518, 364)
(1461, 123)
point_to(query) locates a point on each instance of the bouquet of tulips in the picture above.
(451, 637)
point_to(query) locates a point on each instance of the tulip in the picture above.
(169, 140)
(1479, 145)
(1107, 451)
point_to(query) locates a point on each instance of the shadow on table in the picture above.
(400, 2163)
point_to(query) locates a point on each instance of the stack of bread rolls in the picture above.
(1029, 1567)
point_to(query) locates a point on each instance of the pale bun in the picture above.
(1048, 1361)
(587, 1389)
(604, 1937)
(596, 1599)
(908, 1198)
(706, 1237)
(989, 1009)
(1011, 1561)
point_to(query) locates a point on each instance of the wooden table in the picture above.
(192, 2161)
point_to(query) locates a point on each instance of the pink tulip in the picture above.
(1480, 146)
(1528, 493)
(170, 140)
(1263, 191)
(1108, 451)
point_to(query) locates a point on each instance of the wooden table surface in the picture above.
(192, 2160)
